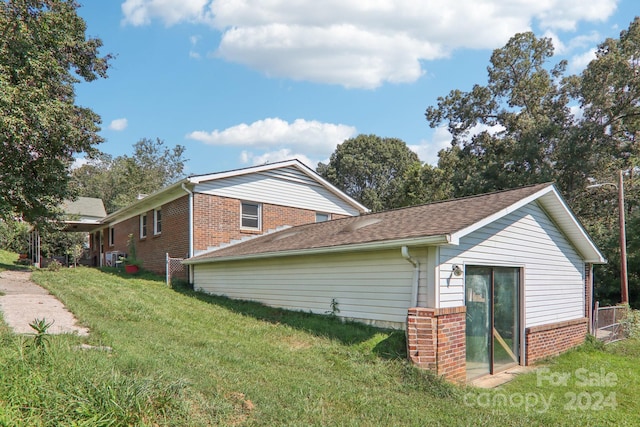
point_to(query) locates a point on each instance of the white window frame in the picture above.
(243, 215)
(143, 226)
(157, 230)
(112, 236)
(324, 214)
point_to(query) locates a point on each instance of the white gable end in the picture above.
(552, 269)
(284, 186)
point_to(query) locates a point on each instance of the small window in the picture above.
(157, 221)
(112, 236)
(322, 217)
(250, 216)
(143, 226)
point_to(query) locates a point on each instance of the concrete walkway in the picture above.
(22, 301)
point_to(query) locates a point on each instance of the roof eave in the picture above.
(370, 246)
(125, 212)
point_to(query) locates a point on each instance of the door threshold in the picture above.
(502, 377)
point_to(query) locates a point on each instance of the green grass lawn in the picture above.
(184, 358)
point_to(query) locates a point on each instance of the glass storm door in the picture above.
(492, 327)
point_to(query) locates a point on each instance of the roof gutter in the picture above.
(370, 246)
(190, 193)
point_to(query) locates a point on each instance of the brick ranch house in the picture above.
(205, 211)
(480, 284)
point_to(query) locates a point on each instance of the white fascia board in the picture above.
(158, 198)
(496, 216)
(589, 251)
(295, 163)
(573, 227)
(244, 171)
(389, 244)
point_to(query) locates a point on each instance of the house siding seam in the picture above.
(553, 339)
(436, 341)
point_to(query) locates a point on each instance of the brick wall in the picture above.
(152, 249)
(553, 339)
(436, 341)
(217, 220)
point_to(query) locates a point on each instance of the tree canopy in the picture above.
(370, 169)
(118, 181)
(43, 52)
(531, 123)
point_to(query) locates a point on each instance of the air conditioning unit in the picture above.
(112, 258)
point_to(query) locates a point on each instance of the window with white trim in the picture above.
(322, 217)
(143, 226)
(112, 236)
(250, 216)
(157, 221)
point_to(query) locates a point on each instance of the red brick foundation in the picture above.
(436, 341)
(554, 338)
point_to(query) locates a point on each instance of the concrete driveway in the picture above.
(22, 301)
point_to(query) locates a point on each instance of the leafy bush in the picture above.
(54, 265)
(14, 236)
(631, 324)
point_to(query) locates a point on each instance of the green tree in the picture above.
(371, 170)
(506, 133)
(118, 181)
(42, 42)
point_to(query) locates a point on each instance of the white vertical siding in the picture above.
(284, 186)
(553, 271)
(374, 287)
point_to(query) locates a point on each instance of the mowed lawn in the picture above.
(177, 357)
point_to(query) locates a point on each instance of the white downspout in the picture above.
(416, 275)
(190, 254)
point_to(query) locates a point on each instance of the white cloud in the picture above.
(275, 156)
(361, 44)
(142, 12)
(428, 150)
(194, 40)
(578, 63)
(118, 124)
(78, 162)
(309, 136)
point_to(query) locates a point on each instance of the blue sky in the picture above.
(245, 82)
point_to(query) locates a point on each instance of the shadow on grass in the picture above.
(327, 326)
(141, 274)
(16, 266)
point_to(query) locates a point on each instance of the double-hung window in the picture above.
(143, 226)
(112, 236)
(250, 217)
(157, 221)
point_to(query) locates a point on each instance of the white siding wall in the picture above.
(374, 287)
(553, 271)
(285, 186)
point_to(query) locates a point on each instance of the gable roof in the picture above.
(84, 206)
(437, 223)
(176, 190)
(85, 213)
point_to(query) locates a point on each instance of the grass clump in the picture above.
(67, 386)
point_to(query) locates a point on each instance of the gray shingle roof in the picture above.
(85, 207)
(434, 219)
